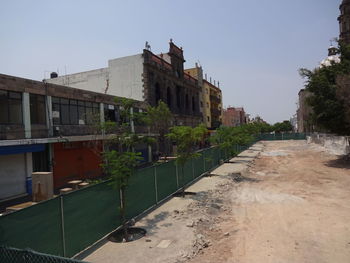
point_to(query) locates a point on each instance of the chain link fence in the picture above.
(8, 255)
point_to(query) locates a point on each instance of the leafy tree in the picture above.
(328, 109)
(228, 137)
(186, 139)
(284, 126)
(159, 118)
(120, 159)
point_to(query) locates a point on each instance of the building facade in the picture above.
(234, 117)
(146, 77)
(344, 22)
(303, 113)
(47, 127)
(210, 100)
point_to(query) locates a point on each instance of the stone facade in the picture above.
(164, 79)
(344, 22)
(303, 113)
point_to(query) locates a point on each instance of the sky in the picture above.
(254, 48)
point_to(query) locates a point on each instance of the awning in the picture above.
(16, 149)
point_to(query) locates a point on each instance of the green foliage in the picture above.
(120, 166)
(159, 119)
(284, 126)
(328, 112)
(228, 137)
(186, 139)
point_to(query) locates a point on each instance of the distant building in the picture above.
(211, 98)
(234, 117)
(146, 77)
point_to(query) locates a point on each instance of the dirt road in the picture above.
(292, 205)
(278, 202)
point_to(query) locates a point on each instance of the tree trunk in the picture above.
(182, 177)
(122, 213)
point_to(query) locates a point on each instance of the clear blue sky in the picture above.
(254, 48)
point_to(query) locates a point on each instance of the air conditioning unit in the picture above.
(42, 185)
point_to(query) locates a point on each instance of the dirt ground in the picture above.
(293, 206)
(283, 201)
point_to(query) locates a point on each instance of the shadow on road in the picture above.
(151, 224)
(341, 162)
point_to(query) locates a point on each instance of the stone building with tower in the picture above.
(146, 77)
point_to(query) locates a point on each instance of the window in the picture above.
(187, 102)
(193, 104)
(168, 95)
(201, 103)
(10, 107)
(37, 109)
(178, 96)
(157, 93)
(111, 113)
(208, 118)
(74, 112)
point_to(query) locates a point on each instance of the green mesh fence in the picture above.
(14, 255)
(166, 179)
(185, 173)
(198, 165)
(89, 214)
(281, 136)
(37, 227)
(141, 192)
(208, 159)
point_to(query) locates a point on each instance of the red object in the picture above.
(76, 160)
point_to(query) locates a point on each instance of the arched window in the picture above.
(193, 104)
(187, 102)
(178, 96)
(168, 97)
(157, 93)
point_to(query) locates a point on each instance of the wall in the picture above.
(93, 80)
(338, 145)
(126, 77)
(122, 77)
(206, 103)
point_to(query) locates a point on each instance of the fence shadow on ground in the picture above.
(342, 162)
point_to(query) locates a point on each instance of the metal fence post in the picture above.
(204, 162)
(192, 169)
(177, 175)
(62, 226)
(155, 183)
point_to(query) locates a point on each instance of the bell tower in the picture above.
(344, 22)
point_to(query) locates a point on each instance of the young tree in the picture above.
(120, 159)
(159, 118)
(228, 137)
(186, 139)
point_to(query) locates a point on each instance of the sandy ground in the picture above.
(283, 201)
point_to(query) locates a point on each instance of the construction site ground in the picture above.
(279, 201)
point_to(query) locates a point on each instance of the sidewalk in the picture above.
(173, 229)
